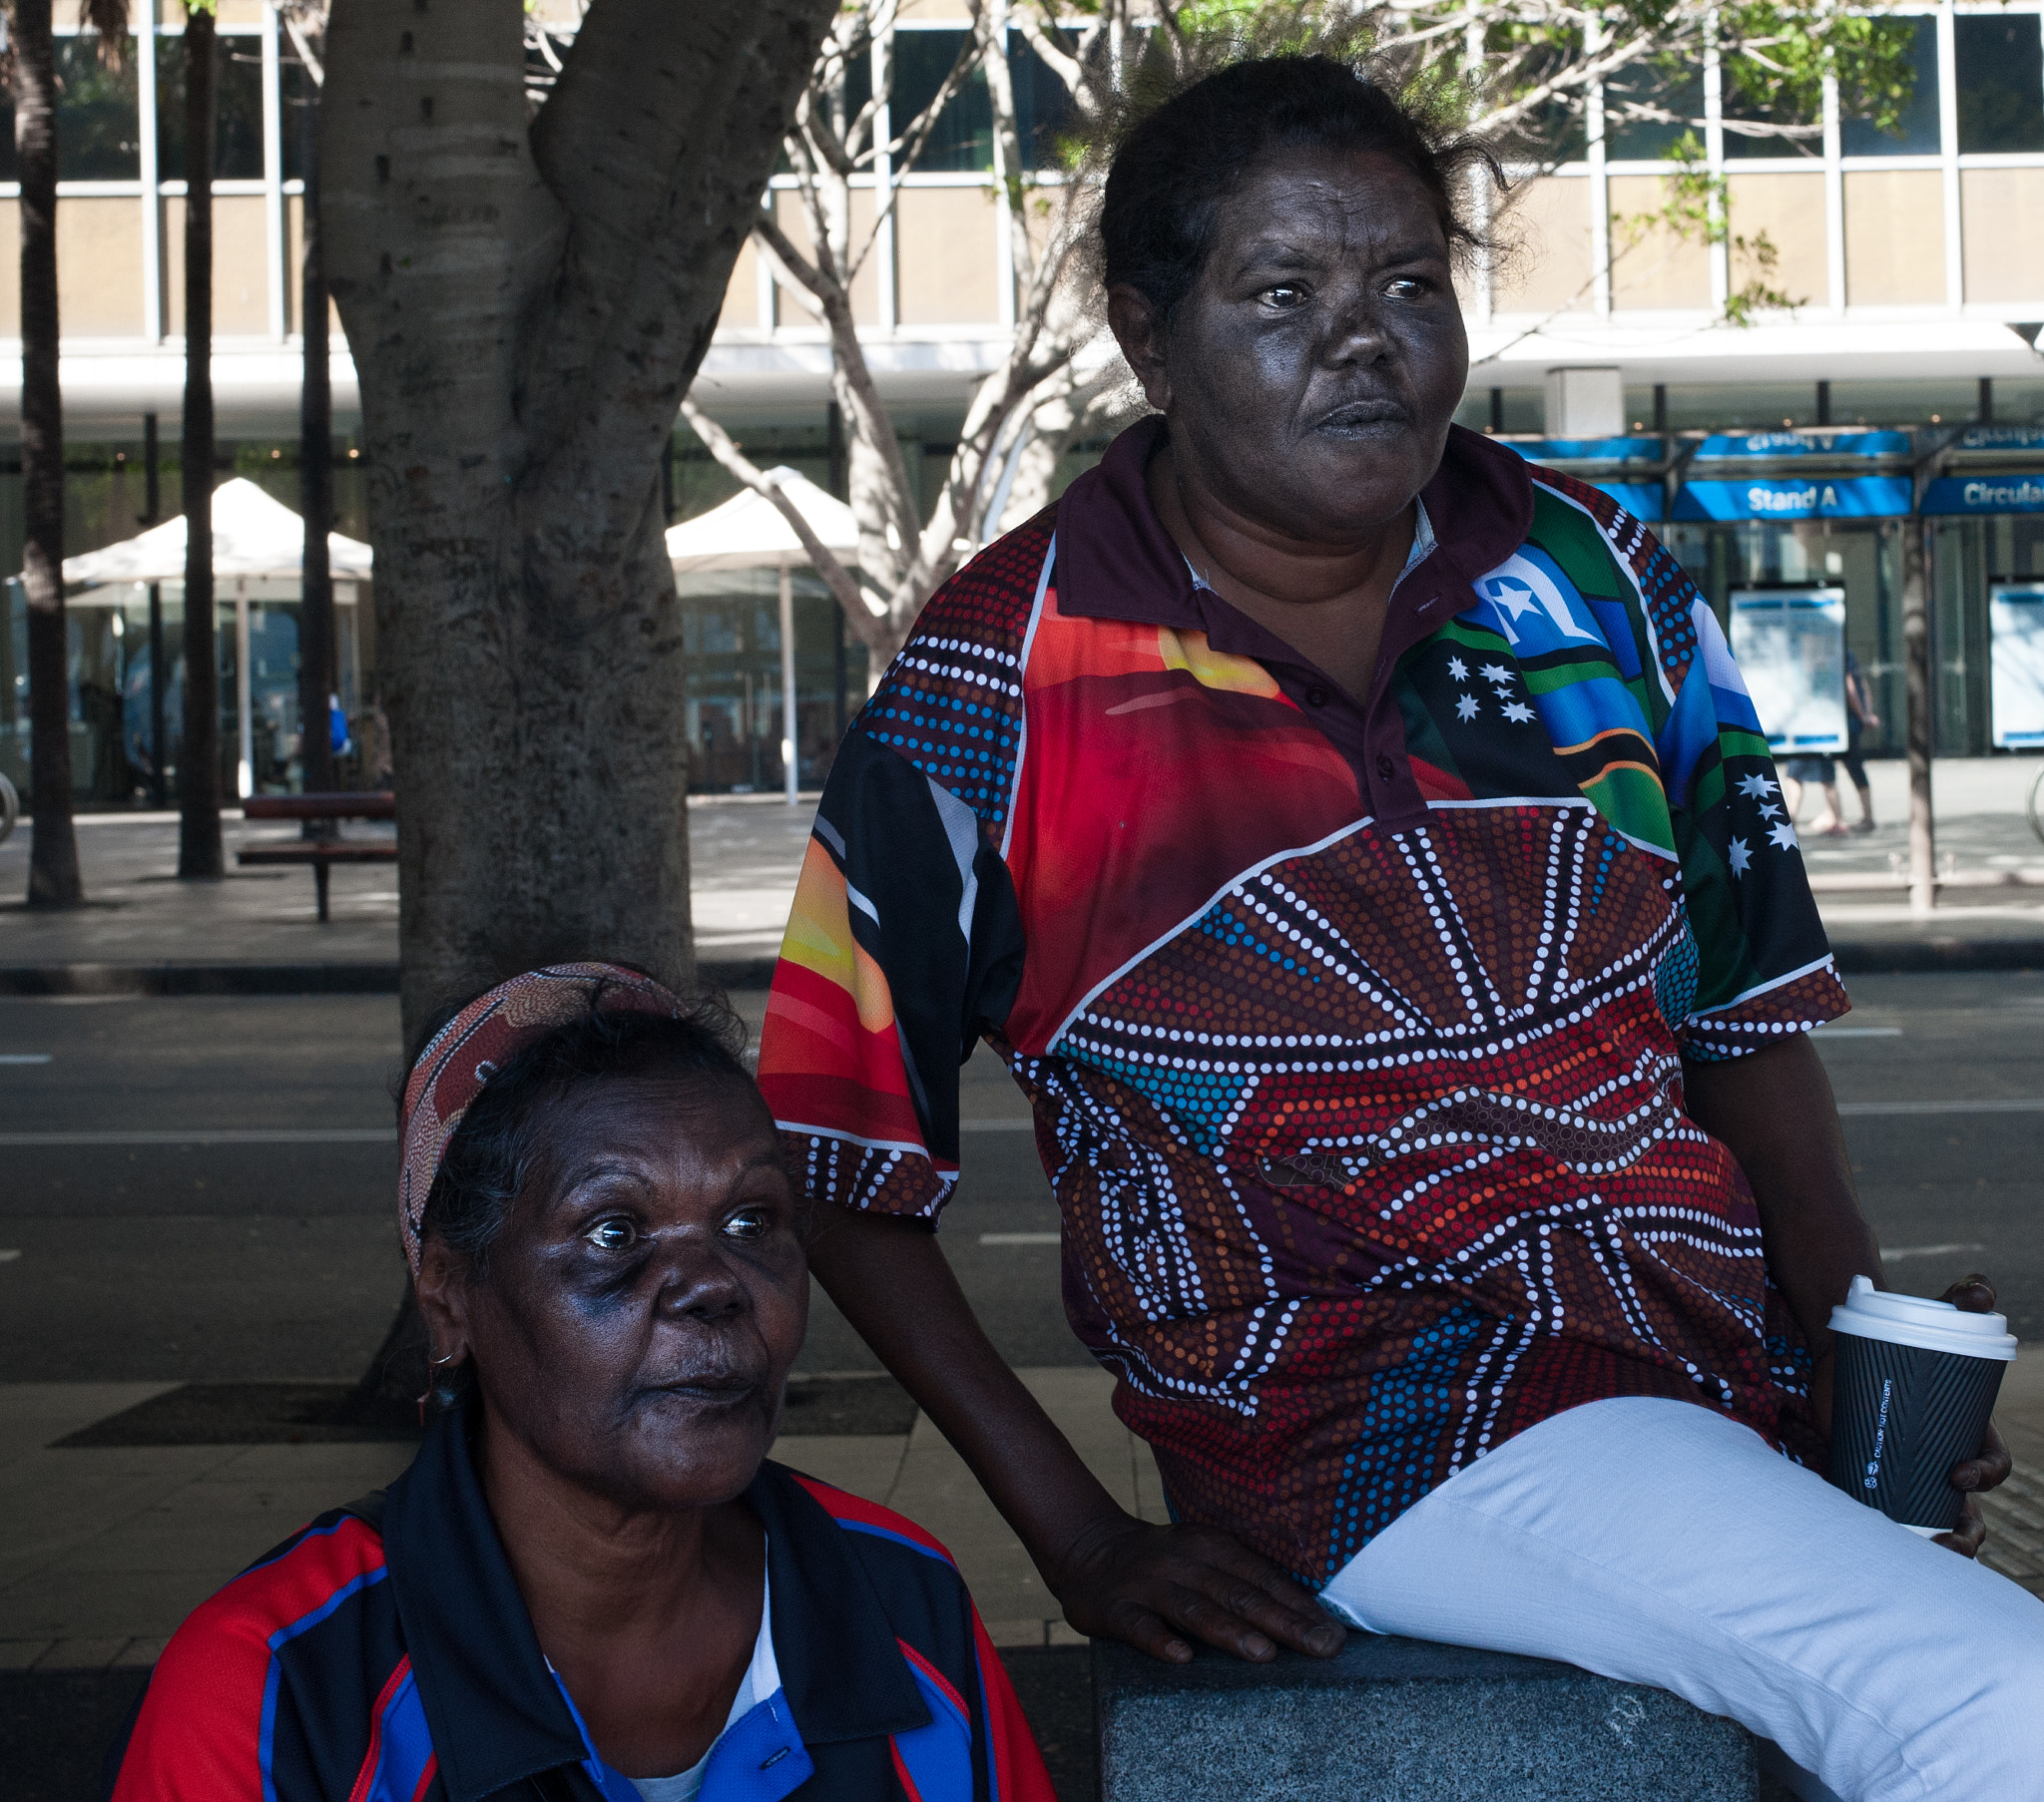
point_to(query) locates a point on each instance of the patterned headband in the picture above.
(478, 1041)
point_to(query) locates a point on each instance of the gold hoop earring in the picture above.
(432, 1365)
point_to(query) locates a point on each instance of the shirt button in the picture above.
(1387, 768)
(1317, 697)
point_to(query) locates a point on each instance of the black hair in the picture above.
(1179, 161)
(494, 1150)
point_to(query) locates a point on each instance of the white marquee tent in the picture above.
(253, 537)
(750, 533)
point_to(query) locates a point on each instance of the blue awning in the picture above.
(1820, 497)
(1643, 500)
(1589, 450)
(1749, 448)
(1985, 494)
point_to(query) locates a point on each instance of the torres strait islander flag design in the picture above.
(1364, 1113)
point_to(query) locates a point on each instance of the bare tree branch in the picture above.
(859, 613)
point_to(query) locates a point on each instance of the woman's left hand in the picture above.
(1976, 1297)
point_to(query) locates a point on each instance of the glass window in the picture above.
(1741, 406)
(964, 135)
(1906, 403)
(1918, 134)
(238, 131)
(300, 94)
(1043, 103)
(98, 131)
(731, 628)
(1748, 99)
(1999, 65)
(1520, 410)
(1640, 140)
(2018, 400)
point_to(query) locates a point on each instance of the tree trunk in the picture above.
(316, 681)
(527, 305)
(527, 301)
(53, 876)
(198, 849)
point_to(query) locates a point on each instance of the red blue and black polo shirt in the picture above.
(385, 1654)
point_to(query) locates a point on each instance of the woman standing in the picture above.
(1361, 850)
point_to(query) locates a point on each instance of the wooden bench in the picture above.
(321, 853)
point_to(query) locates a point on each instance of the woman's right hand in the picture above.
(1159, 1588)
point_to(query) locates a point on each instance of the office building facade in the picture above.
(1903, 395)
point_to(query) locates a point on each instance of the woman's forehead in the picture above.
(1326, 180)
(1325, 195)
(707, 1118)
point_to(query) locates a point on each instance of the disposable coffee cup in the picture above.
(1914, 1388)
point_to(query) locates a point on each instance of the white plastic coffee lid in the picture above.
(1870, 1313)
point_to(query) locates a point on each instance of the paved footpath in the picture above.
(103, 1549)
(747, 852)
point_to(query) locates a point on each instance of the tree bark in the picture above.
(527, 305)
(199, 846)
(53, 874)
(316, 681)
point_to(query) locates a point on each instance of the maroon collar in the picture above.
(1117, 561)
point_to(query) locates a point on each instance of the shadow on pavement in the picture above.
(56, 1726)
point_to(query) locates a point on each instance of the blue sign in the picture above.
(1839, 496)
(1748, 446)
(1985, 494)
(1643, 500)
(2000, 438)
(2015, 619)
(1591, 450)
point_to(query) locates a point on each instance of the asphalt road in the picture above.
(202, 1189)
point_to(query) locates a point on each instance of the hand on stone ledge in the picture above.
(1154, 1586)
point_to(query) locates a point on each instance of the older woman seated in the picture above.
(589, 1584)
(1364, 853)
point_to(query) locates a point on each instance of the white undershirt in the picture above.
(762, 1679)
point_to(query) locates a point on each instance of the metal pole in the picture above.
(199, 761)
(159, 789)
(159, 740)
(1917, 668)
(246, 781)
(317, 680)
(788, 734)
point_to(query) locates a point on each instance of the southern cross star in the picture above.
(1769, 810)
(1756, 786)
(1782, 837)
(1457, 668)
(1518, 712)
(1465, 708)
(1740, 857)
(1496, 672)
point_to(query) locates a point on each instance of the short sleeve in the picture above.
(1763, 964)
(903, 946)
(200, 1735)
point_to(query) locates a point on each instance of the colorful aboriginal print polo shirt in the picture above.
(1354, 1033)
